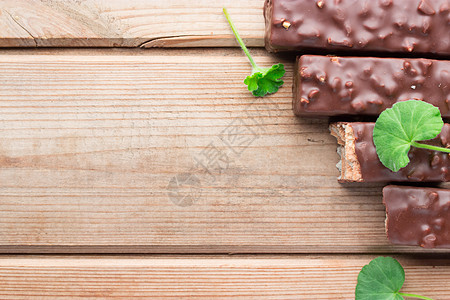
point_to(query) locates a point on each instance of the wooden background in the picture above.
(154, 173)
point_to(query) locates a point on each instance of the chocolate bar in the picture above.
(331, 86)
(417, 216)
(419, 26)
(360, 163)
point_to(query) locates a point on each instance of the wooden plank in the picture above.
(271, 277)
(119, 23)
(13, 34)
(166, 151)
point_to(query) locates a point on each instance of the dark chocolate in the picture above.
(425, 165)
(404, 26)
(417, 216)
(331, 86)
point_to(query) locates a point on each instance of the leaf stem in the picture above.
(430, 147)
(414, 296)
(239, 40)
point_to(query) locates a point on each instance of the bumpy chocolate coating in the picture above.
(419, 26)
(425, 165)
(330, 86)
(417, 216)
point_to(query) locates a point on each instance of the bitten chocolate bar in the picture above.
(331, 86)
(419, 26)
(360, 163)
(417, 216)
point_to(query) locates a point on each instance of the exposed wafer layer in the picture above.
(360, 163)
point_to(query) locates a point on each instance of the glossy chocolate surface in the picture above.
(331, 86)
(425, 165)
(417, 216)
(419, 26)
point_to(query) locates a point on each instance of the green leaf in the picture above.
(265, 81)
(381, 279)
(399, 127)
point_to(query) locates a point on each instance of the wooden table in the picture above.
(153, 172)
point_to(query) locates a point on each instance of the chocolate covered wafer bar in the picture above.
(360, 163)
(403, 26)
(332, 86)
(417, 216)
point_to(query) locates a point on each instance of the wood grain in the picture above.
(266, 277)
(166, 151)
(118, 23)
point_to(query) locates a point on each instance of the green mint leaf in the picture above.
(265, 81)
(400, 127)
(381, 279)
